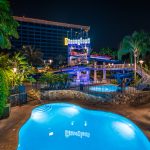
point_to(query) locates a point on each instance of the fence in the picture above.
(103, 86)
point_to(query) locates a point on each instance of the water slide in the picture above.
(121, 76)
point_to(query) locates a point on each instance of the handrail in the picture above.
(146, 70)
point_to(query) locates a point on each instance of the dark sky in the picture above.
(110, 20)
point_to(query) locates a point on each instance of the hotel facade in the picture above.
(47, 36)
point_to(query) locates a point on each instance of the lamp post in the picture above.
(44, 62)
(47, 63)
(14, 70)
(135, 61)
(141, 63)
(50, 61)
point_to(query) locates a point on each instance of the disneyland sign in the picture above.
(80, 134)
(77, 41)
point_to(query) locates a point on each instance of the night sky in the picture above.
(110, 20)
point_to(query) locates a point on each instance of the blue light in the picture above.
(105, 88)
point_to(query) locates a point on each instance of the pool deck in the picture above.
(9, 127)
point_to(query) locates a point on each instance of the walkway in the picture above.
(9, 128)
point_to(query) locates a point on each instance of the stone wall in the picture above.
(132, 98)
(67, 95)
(116, 98)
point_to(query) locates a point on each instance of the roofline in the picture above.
(40, 21)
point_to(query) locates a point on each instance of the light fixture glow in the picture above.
(38, 116)
(70, 110)
(15, 70)
(124, 130)
(141, 62)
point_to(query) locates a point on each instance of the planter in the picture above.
(6, 111)
(17, 99)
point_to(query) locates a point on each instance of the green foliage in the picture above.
(5, 62)
(9, 78)
(138, 42)
(55, 81)
(4, 90)
(106, 51)
(31, 79)
(109, 52)
(114, 81)
(5, 65)
(23, 69)
(8, 26)
(47, 78)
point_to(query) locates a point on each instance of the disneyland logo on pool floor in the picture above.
(80, 134)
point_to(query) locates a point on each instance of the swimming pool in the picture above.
(62, 126)
(105, 88)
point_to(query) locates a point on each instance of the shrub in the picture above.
(4, 91)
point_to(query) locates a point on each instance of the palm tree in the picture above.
(33, 55)
(8, 26)
(137, 45)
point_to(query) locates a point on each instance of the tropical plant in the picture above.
(22, 69)
(55, 81)
(33, 55)
(137, 45)
(47, 78)
(8, 26)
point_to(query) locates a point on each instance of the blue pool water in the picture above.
(62, 126)
(105, 88)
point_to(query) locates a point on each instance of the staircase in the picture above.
(144, 82)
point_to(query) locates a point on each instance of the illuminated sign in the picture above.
(66, 41)
(77, 41)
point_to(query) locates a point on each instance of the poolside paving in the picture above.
(9, 127)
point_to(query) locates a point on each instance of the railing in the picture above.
(142, 72)
(146, 70)
(85, 85)
(112, 66)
